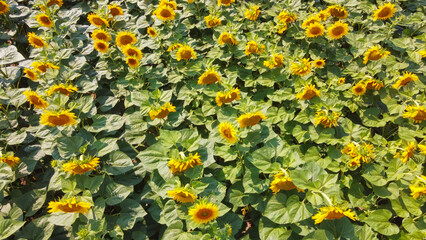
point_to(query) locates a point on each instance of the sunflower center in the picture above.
(227, 39)
(227, 133)
(98, 21)
(210, 78)
(315, 30)
(384, 13)
(38, 42)
(131, 52)
(45, 20)
(286, 185)
(101, 46)
(374, 55)
(166, 13)
(253, 48)
(309, 94)
(163, 113)
(205, 213)
(60, 120)
(63, 91)
(35, 100)
(126, 39)
(30, 74)
(334, 215)
(337, 30)
(186, 54)
(115, 11)
(337, 13)
(2, 7)
(101, 36)
(42, 68)
(359, 89)
(406, 80)
(226, 1)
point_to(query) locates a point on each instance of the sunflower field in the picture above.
(212, 119)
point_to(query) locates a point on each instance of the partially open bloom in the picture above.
(10, 160)
(115, 10)
(132, 51)
(253, 47)
(43, 66)
(332, 212)
(101, 34)
(59, 118)
(174, 47)
(165, 13)
(250, 119)
(276, 60)
(281, 182)
(418, 187)
(417, 113)
(228, 96)
(31, 74)
(96, 20)
(228, 132)
(315, 30)
(359, 89)
(373, 84)
(208, 77)
(407, 153)
(80, 166)
(101, 46)
(171, 4)
(281, 27)
(308, 92)
(212, 21)
(36, 100)
(151, 32)
(301, 68)
(252, 13)
(319, 63)
(182, 164)
(4, 7)
(286, 17)
(204, 212)
(125, 38)
(36, 41)
(61, 88)
(69, 205)
(132, 62)
(338, 11)
(375, 53)
(323, 14)
(185, 52)
(227, 38)
(182, 195)
(225, 2)
(405, 79)
(422, 148)
(359, 153)
(384, 12)
(310, 20)
(162, 111)
(337, 30)
(326, 119)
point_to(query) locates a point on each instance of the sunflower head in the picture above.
(384, 12)
(226, 3)
(101, 46)
(308, 92)
(59, 118)
(69, 205)
(185, 52)
(132, 62)
(341, 80)
(282, 182)
(62, 89)
(405, 79)
(171, 4)
(162, 112)
(326, 119)
(4, 7)
(252, 13)
(332, 212)
(59, 3)
(36, 41)
(228, 132)
(178, 165)
(323, 14)
(125, 38)
(115, 10)
(97, 21)
(81, 165)
(208, 77)
(227, 38)
(101, 34)
(319, 63)
(359, 89)
(276, 60)
(254, 47)
(301, 68)
(310, 20)
(204, 212)
(31, 74)
(337, 30)
(44, 20)
(250, 119)
(373, 84)
(151, 32)
(43, 66)
(314, 30)
(375, 53)
(417, 113)
(10, 160)
(132, 51)
(36, 100)
(165, 13)
(182, 195)
(212, 21)
(286, 17)
(281, 27)
(228, 96)
(338, 11)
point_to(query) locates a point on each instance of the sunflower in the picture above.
(281, 182)
(31, 74)
(337, 30)
(101, 46)
(253, 47)
(286, 17)
(132, 62)
(36, 41)
(227, 38)
(359, 89)
(341, 81)
(311, 20)
(81, 165)
(405, 79)
(418, 187)
(181, 165)
(281, 27)
(164, 13)
(407, 153)
(375, 53)
(115, 10)
(174, 47)
(228, 96)
(43, 66)
(56, 2)
(101, 34)
(171, 4)
(252, 13)
(308, 92)
(132, 51)
(417, 113)
(338, 11)
(275, 61)
(4, 7)
(422, 148)
(301, 68)
(36, 100)
(422, 53)
(182, 195)
(44, 20)
(314, 30)
(69, 205)
(332, 212)
(162, 112)
(124, 38)
(59, 118)
(224, 2)
(319, 63)
(10, 160)
(61, 88)
(185, 52)
(384, 12)
(208, 77)
(325, 119)
(204, 212)
(212, 21)
(96, 20)
(351, 150)
(373, 84)
(228, 132)
(323, 15)
(151, 32)
(250, 119)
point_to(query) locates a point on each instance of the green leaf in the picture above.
(379, 221)
(69, 146)
(262, 157)
(10, 55)
(118, 163)
(106, 122)
(9, 227)
(269, 230)
(131, 212)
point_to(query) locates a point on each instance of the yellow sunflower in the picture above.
(212, 21)
(125, 38)
(10, 160)
(323, 15)
(43, 66)
(308, 92)
(115, 10)
(36, 100)
(250, 119)
(422, 53)
(101, 46)
(422, 147)
(332, 212)
(182, 195)
(204, 212)
(405, 79)
(254, 47)
(337, 30)
(151, 32)
(36, 41)
(80, 166)
(44, 20)
(301, 68)
(338, 11)
(319, 63)
(61, 88)
(174, 47)
(171, 4)
(132, 62)
(185, 52)
(162, 112)
(281, 27)
(341, 81)
(164, 13)
(227, 38)
(132, 51)
(373, 84)
(69, 205)
(208, 77)
(56, 2)
(407, 153)
(275, 61)
(59, 118)
(31, 74)
(101, 34)
(181, 165)
(4, 7)
(226, 3)
(418, 187)
(228, 96)
(325, 119)
(311, 20)
(314, 30)
(97, 21)
(359, 89)
(417, 113)
(375, 53)
(384, 12)
(228, 132)
(281, 182)
(252, 13)
(286, 17)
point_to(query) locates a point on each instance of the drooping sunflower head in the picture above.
(132, 62)
(418, 187)
(151, 32)
(301, 68)
(59, 118)
(276, 60)
(332, 212)
(208, 77)
(314, 30)
(4, 7)
(125, 38)
(182, 195)
(101, 46)
(212, 21)
(286, 17)
(338, 11)
(359, 89)
(228, 132)
(405, 79)
(226, 3)
(326, 119)
(308, 92)
(337, 30)
(10, 160)
(43, 66)
(97, 20)
(132, 51)
(281, 182)
(310, 20)
(174, 47)
(281, 27)
(250, 119)
(101, 34)
(164, 13)
(375, 53)
(319, 63)
(44, 20)
(204, 212)
(162, 112)
(62, 89)
(36, 100)
(323, 14)
(115, 10)
(384, 12)
(252, 13)
(36, 41)
(228, 96)
(31, 74)
(417, 113)
(81, 165)
(178, 165)
(185, 52)
(69, 205)
(227, 38)
(59, 3)
(254, 47)
(374, 84)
